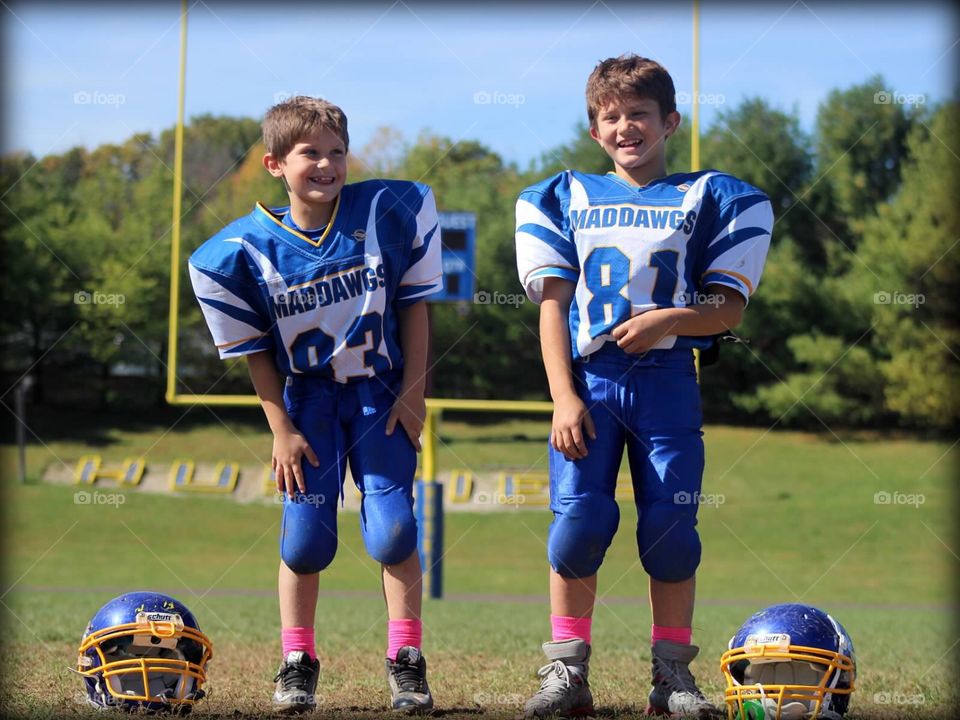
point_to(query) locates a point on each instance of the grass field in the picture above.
(799, 521)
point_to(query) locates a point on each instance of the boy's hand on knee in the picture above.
(571, 422)
(289, 448)
(409, 410)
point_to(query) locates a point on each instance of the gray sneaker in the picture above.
(407, 676)
(296, 683)
(675, 690)
(564, 690)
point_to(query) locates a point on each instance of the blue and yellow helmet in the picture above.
(795, 660)
(144, 651)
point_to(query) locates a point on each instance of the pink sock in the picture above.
(401, 633)
(565, 628)
(680, 635)
(298, 638)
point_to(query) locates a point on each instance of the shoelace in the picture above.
(556, 677)
(677, 676)
(408, 676)
(292, 674)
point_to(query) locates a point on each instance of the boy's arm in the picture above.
(410, 409)
(569, 411)
(642, 332)
(289, 445)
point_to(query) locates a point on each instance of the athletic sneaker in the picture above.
(296, 683)
(407, 676)
(564, 689)
(675, 690)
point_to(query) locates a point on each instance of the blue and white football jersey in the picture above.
(631, 249)
(322, 306)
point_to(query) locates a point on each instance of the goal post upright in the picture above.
(695, 95)
(173, 323)
(695, 125)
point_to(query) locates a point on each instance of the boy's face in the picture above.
(631, 131)
(315, 169)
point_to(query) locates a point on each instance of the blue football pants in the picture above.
(346, 423)
(651, 405)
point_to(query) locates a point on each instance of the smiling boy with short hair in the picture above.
(632, 271)
(324, 299)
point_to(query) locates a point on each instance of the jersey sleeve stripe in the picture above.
(719, 247)
(420, 252)
(228, 289)
(554, 271)
(724, 277)
(249, 347)
(247, 317)
(424, 267)
(557, 243)
(736, 217)
(419, 283)
(234, 343)
(412, 293)
(745, 202)
(407, 302)
(529, 212)
(411, 290)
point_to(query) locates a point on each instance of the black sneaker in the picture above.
(296, 683)
(407, 676)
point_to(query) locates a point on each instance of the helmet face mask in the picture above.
(145, 651)
(794, 660)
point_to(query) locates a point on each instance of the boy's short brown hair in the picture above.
(629, 75)
(287, 122)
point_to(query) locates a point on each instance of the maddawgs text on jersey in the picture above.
(631, 249)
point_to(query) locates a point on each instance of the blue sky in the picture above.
(84, 74)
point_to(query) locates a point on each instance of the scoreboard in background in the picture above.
(459, 236)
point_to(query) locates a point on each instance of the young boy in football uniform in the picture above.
(324, 299)
(632, 271)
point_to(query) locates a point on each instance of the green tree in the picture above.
(831, 383)
(582, 154)
(765, 147)
(910, 276)
(37, 276)
(678, 148)
(861, 142)
(213, 147)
